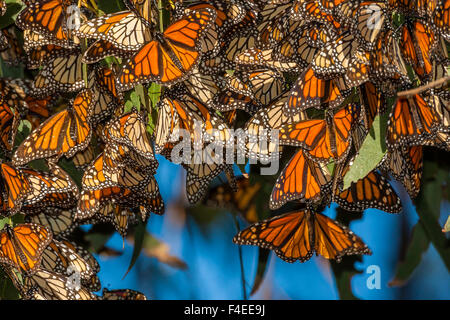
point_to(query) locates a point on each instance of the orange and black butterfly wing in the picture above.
(411, 122)
(9, 122)
(310, 91)
(65, 133)
(332, 240)
(49, 18)
(22, 246)
(171, 60)
(372, 191)
(17, 187)
(101, 49)
(300, 180)
(288, 235)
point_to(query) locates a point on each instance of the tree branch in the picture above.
(433, 84)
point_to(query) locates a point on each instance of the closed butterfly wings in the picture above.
(65, 133)
(21, 247)
(323, 140)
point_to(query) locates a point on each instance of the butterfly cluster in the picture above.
(319, 73)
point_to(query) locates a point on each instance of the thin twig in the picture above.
(433, 84)
(244, 290)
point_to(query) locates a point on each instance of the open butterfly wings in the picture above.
(298, 235)
(172, 55)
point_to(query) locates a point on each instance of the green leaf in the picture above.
(343, 282)
(370, 154)
(128, 106)
(428, 209)
(139, 235)
(3, 222)
(97, 240)
(7, 289)
(154, 93)
(23, 131)
(13, 7)
(73, 172)
(135, 99)
(417, 247)
(110, 6)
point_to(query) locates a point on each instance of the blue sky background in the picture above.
(213, 260)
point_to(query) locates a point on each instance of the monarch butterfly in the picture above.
(386, 61)
(241, 201)
(65, 133)
(227, 101)
(419, 41)
(82, 159)
(106, 180)
(130, 130)
(180, 110)
(301, 179)
(255, 57)
(122, 294)
(42, 55)
(9, 122)
(172, 55)
(201, 169)
(334, 57)
(21, 247)
(262, 145)
(125, 30)
(298, 235)
(227, 15)
(16, 187)
(17, 94)
(270, 16)
(405, 165)
(302, 46)
(102, 82)
(48, 18)
(33, 39)
(101, 49)
(203, 86)
(311, 11)
(264, 84)
(441, 138)
(310, 91)
(441, 18)
(62, 73)
(372, 191)
(199, 176)
(411, 122)
(370, 18)
(63, 259)
(59, 221)
(118, 216)
(85, 254)
(323, 139)
(47, 285)
(55, 189)
(372, 103)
